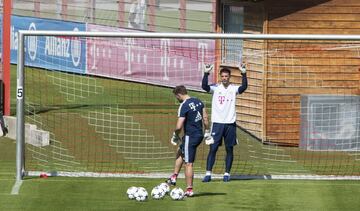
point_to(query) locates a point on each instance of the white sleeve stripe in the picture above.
(180, 109)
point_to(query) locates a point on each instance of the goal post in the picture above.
(100, 103)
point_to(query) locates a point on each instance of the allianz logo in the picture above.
(61, 47)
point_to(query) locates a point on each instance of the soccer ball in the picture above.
(177, 194)
(157, 193)
(131, 192)
(141, 194)
(165, 187)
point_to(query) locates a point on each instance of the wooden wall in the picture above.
(249, 105)
(295, 68)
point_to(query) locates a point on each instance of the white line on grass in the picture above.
(265, 182)
(16, 188)
(92, 180)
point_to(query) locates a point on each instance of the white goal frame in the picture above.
(20, 124)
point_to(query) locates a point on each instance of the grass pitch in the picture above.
(59, 193)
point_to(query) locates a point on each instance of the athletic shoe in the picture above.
(171, 180)
(207, 178)
(189, 192)
(226, 178)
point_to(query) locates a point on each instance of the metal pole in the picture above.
(20, 126)
(6, 53)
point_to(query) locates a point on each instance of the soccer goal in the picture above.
(101, 104)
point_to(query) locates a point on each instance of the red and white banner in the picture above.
(167, 62)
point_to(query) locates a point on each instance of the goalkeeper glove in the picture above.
(242, 67)
(175, 139)
(207, 68)
(208, 138)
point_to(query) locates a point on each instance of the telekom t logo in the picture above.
(129, 55)
(192, 106)
(165, 59)
(221, 99)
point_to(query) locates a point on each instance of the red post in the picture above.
(7, 6)
(151, 15)
(213, 16)
(182, 15)
(37, 8)
(64, 11)
(121, 13)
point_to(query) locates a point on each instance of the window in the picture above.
(233, 22)
(330, 123)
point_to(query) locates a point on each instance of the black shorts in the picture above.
(188, 147)
(228, 131)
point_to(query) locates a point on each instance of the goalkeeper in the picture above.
(191, 116)
(223, 116)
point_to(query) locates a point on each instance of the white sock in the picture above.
(208, 173)
(226, 174)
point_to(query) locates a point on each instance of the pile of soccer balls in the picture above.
(158, 192)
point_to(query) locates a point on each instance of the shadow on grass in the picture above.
(208, 194)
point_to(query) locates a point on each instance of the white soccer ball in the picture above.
(131, 192)
(157, 193)
(141, 194)
(165, 187)
(177, 194)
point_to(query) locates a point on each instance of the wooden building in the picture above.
(271, 107)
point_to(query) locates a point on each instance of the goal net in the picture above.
(101, 104)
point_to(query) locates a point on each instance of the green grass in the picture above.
(165, 20)
(78, 139)
(60, 193)
(109, 194)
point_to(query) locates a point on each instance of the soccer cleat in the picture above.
(171, 180)
(207, 178)
(226, 178)
(189, 192)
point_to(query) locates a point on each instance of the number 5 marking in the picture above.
(19, 93)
